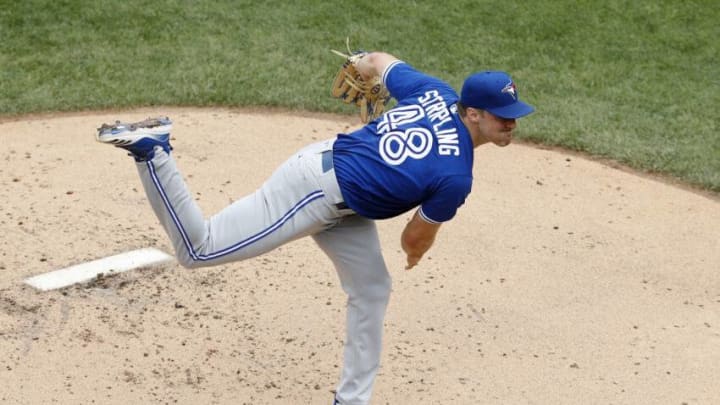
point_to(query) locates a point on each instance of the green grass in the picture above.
(637, 82)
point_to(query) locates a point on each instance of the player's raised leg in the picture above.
(354, 248)
(289, 205)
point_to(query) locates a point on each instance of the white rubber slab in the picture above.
(83, 272)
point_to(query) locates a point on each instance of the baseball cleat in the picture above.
(139, 138)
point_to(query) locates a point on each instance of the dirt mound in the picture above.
(562, 280)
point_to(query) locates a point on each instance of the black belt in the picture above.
(327, 165)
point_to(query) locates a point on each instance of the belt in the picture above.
(327, 165)
(327, 161)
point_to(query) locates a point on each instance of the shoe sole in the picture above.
(122, 134)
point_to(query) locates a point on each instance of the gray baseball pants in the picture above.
(301, 198)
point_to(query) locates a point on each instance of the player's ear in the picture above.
(476, 113)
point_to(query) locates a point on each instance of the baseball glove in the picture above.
(349, 86)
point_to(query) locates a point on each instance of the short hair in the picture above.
(461, 109)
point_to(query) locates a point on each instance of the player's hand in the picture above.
(412, 261)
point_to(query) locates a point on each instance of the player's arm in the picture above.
(417, 238)
(374, 64)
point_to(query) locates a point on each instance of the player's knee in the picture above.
(188, 262)
(381, 293)
(377, 289)
(385, 286)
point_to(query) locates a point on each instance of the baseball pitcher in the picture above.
(416, 155)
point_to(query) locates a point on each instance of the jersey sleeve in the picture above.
(403, 81)
(446, 199)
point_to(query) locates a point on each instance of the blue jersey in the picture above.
(418, 153)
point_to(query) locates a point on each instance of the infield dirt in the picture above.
(562, 280)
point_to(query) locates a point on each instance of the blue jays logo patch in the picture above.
(510, 89)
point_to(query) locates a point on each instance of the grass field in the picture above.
(633, 81)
